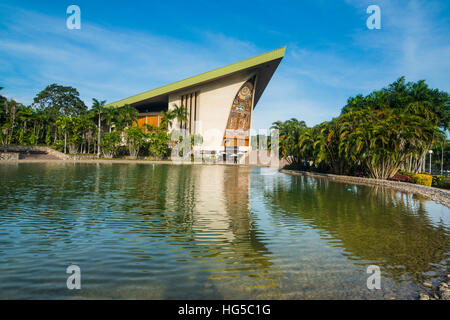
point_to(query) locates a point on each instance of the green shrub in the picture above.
(407, 173)
(401, 178)
(121, 151)
(423, 179)
(158, 144)
(135, 140)
(441, 182)
(109, 144)
(59, 145)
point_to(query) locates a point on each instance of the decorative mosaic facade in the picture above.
(238, 125)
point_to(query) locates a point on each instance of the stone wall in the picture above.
(31, 149)
(438, 195)
(9, 156)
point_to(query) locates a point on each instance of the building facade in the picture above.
(219, 103)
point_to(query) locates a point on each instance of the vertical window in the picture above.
(189, 101)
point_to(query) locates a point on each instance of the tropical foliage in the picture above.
(423, 179)
(375, 135)
(59, 118)
(135, 140)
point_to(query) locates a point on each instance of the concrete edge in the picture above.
(48, 150)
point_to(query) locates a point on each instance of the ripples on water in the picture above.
(144, 231)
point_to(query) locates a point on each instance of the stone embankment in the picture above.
(31, 153)
(441, 292)
(437, 195)
(9, 156)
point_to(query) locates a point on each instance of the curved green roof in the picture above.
(203, 77)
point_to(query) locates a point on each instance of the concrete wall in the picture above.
(9, 156)
(214, 105)
(25, 149)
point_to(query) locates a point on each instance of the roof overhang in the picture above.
(263, 65)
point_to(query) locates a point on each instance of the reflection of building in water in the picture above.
(210, 207)
(237, 200)
(211, 215)
(216, 198)
(198, 193)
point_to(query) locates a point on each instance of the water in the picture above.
(144, 231)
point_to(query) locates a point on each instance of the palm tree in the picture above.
(181, 114)
(24, 115)
(440, 143)
(125, 116)
(294, 143)
(11, 108)
(63, 123)
(326, 146)
(110, 115)
(167, 119)
(86, 126)
(98, 107)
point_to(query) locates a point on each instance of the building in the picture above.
(220, 103)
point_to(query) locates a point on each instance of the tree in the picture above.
(125, 116)
(2, 100)
(109, 114)
(56, 99)
(180, 113)
(88, 127)
(158, 142)
(442, 151)
(382, 139)
(109, 143)
(98, 107)
(24, 116)
(8, 127)
(387, 130)
(326, 145)
(167, 119)
(135, 138)
(63, 124)
(290, 132)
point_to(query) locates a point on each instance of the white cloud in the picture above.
(103, 63)
(413, 41)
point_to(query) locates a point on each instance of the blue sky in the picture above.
(124, 48)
